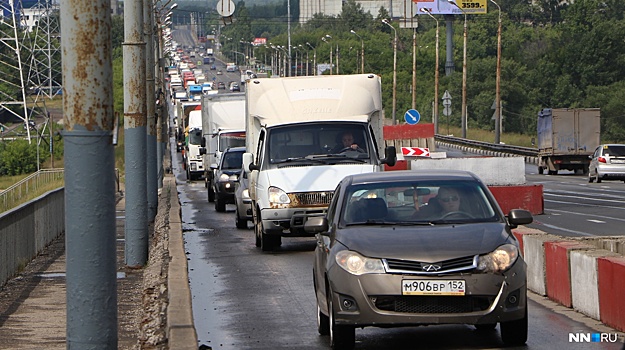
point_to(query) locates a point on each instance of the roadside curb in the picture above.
(181, 332)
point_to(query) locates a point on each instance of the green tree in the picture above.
(18, 157)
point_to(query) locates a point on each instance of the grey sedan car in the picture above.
(607, 163)
(406, 248)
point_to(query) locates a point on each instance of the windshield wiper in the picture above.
(299, 159)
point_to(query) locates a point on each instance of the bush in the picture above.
(18, 157)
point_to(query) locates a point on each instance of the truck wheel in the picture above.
(598, 179)
(541, 170)
(552, 172)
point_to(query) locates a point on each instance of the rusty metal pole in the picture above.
(152, 181)
(90, 229)
(135, 121)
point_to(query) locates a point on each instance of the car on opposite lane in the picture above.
(607, 163)
(390, 252)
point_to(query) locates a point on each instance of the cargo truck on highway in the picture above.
(566, 137)
(223, 127)
(295, 156)
(193, 159)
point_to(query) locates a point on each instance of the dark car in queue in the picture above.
(242, 201)
(226, 175)
(408, 248)
(607, 163)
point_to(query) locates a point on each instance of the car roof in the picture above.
(412, 175)
(235, 149)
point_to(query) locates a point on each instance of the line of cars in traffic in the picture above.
(394, 248)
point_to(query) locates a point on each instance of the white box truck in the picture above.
(193, 158)
(303, 135)
(223, 125)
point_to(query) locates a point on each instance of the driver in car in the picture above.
(446, 201)
(449, 199)
(347, 144)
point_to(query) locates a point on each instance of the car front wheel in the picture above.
(240, 223)
(514, 333)
(341, 337)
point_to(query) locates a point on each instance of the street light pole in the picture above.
(325, 39)
(498, 81)
(464, 73)
(394, 70)
(435, 74)
(414, 68)
(314, 57)
(362, 52)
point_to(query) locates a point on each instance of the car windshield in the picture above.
(418, 203)
(319, 143)
(232, 161)
(195, 137)
(614, 150)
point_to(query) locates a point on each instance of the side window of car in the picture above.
(333, 203)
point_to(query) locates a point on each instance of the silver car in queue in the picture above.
(387, 257)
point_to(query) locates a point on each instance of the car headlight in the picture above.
(498, 260)
(357, 264)
(224, 178)
(278, 196)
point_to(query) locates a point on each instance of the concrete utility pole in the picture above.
(135, 121)
(90, 232)
(152, 170)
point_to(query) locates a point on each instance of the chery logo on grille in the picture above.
(430, 267)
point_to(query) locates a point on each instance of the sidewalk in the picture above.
(33, 304)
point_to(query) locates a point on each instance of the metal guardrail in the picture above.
(28, 186)
(523, 151)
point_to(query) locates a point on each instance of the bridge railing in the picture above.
(28, 188)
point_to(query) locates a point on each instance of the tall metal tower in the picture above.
(30, 58)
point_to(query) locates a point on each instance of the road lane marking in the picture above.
(596, 221)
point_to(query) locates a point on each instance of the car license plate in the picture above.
(432, 287)
(617, 161)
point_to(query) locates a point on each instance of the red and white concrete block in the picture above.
(577, 273)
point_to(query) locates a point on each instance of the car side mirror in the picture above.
(248, 164)
(390, 156)
(317, 224)
(203, 143)
(202, 150)
(519, 217)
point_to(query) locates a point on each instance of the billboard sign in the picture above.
(259, 41)
(444, 7)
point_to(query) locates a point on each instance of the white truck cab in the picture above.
(296, 155)
(193, 158)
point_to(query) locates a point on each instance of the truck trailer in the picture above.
(566, 137)
(223, 127)
(295, 156)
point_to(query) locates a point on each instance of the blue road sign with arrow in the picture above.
(412, 117)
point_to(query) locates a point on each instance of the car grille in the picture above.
(310, 199)
(419, 267)
(432, 304)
